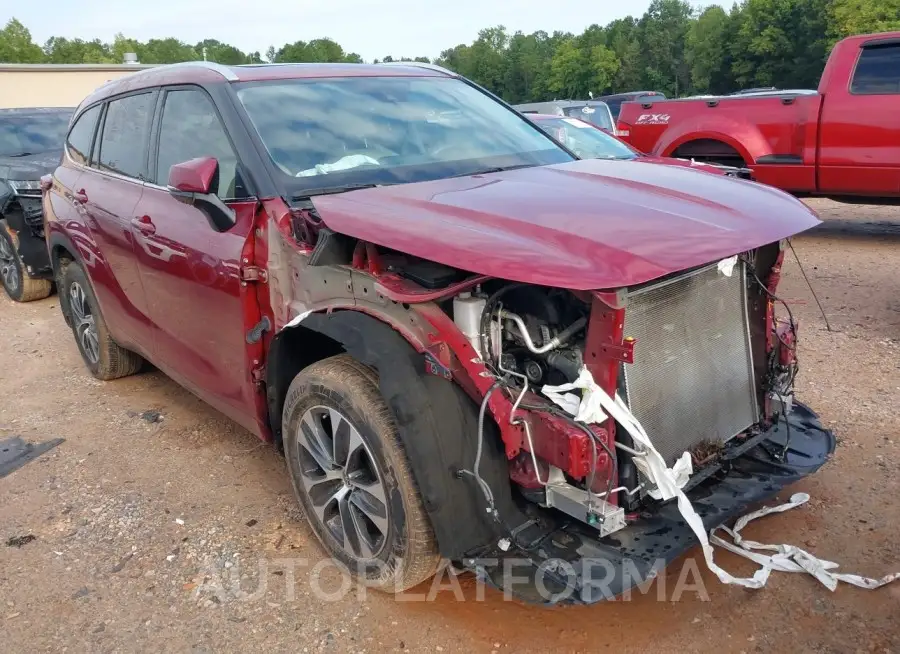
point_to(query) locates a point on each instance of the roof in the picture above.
(205, 72)
(36, 110)
(63, 68)
(877, 38)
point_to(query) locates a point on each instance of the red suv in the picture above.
(470, 344)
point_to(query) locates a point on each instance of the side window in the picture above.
(877, 71)
(124, 140)
(190, 128)
(81, 135)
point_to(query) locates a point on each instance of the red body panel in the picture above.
(98, 209)
(584, 225)
(833, 142)
(191, 275)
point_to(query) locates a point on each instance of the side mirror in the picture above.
(192, 182)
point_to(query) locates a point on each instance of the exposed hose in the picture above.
(488, 495)
(554, 343)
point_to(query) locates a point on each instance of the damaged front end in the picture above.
(695, 358)
(698, 361)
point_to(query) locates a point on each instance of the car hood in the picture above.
(582, 225)
(31, 167)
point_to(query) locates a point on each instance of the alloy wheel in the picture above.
(343, 483)
(83, 323)
(9, 270)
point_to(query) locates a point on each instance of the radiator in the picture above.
(692, 376)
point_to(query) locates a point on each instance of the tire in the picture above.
(101, 354)
(18, 284)
(368, 487)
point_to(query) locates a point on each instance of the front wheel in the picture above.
(352, 478)
(18, 284)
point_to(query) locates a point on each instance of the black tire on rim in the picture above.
(101, 354)
(18, 284)
(352, 478)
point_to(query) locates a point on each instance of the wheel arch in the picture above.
(62, 248)
(738, 135)
(436, 420)
(710, 148)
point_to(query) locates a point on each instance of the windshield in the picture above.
(596, 114)
(585, 140)
(385, 130)
(23, 134)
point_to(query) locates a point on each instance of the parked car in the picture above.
(595, 112)
(30, 146)
(382, 268)
(615, 101)
(841, 142)
(589, 142)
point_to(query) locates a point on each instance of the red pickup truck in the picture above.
(842, 141)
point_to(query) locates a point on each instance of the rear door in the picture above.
(860, 126)
(107, 193)
(192, 273)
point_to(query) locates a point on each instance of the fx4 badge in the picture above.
(653, 119)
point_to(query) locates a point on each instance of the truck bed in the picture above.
(774, 134)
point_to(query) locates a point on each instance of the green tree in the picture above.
(167, 51)
(528, 67)
(779, 42)
(568, 74)
(849, 17)
(16, 46)
(221, 52)
(122, 45)
(60, 50)
(622, 39)
(662, 32)
(706, 51)
(603, 64)
(317, 50)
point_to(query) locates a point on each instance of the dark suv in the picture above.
(30, 146)
(386, 271)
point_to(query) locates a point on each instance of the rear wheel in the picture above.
(105, 358)
(18, 284)
(710, 151)
(352, 478)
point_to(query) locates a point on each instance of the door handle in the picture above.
(79, 196)
(144, 225)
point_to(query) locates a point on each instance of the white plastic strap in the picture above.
(669, 482)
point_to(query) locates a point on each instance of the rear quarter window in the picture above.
(123, 144)
(81, 136)
(877, 71)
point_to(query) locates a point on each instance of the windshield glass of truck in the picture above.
(585, 140)
(387, 130)
(21, 135)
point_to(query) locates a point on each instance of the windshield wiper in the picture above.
(496, 169)
(332, 190)
(20, 154)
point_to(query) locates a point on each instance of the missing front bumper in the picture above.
(567, 563)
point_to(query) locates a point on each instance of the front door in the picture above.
(190, 271)
(860, 126)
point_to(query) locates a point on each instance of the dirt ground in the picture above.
(137, 519)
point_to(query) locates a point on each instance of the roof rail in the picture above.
(421, 64)
(224, 71)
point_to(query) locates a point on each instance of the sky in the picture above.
(371, 28)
